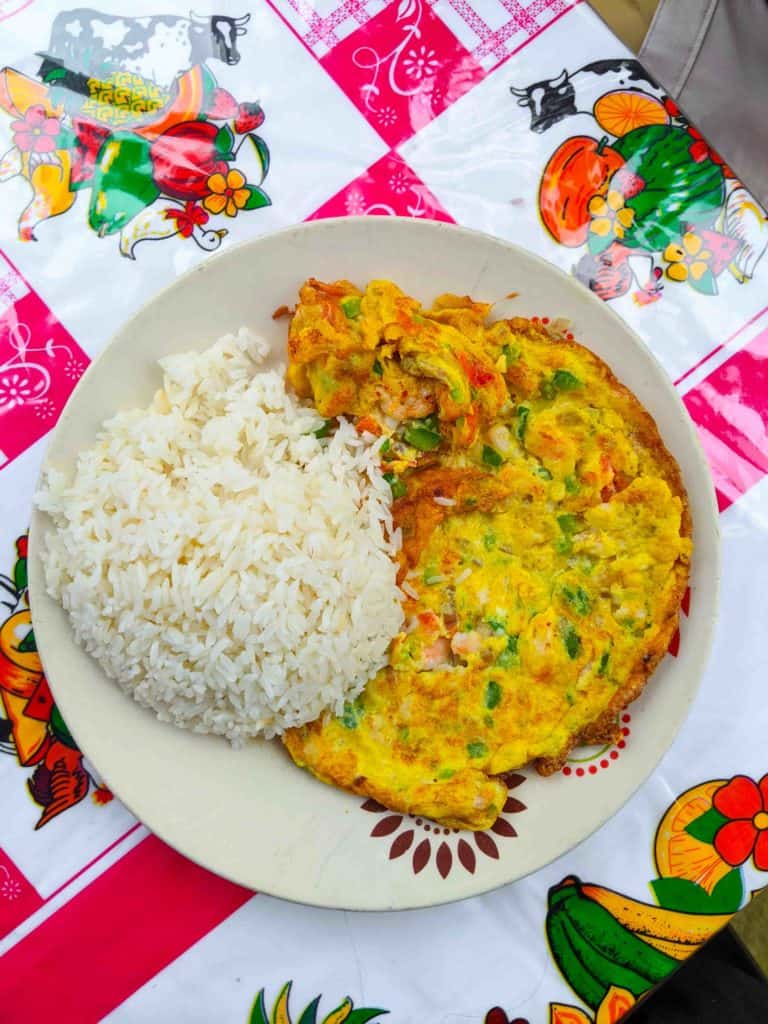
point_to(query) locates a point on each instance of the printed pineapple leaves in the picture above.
(344, 1013)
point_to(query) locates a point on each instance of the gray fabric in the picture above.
(712, 56)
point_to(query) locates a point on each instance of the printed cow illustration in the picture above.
(88, 44)
(552, 100)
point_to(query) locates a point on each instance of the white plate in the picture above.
(251, 815)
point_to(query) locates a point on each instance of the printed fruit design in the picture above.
(122, 183)
(679, 854)
(185, 157)
(578, 170)
(674, 932)
(193, 90)
(345, 1012)
(89, 138)
(600, 938)
(676, 191)
(621, 112)
(250, 116)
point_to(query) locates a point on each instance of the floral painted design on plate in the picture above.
(447, 849)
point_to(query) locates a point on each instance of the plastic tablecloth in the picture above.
(132, 148)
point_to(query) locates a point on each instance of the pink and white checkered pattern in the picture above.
(494, 30)
(321, 24)
(490, 31)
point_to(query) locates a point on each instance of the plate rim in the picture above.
(692, 443)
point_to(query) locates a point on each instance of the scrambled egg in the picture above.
(546, 542)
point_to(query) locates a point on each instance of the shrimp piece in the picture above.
(437, 655)
(463, 644)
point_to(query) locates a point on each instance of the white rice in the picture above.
(226, 567)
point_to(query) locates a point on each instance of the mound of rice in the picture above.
(226, 567)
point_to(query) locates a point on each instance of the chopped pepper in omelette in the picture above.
(545, 545)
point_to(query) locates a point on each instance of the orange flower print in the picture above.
(102, 795)
(228, 193)
(616, 1003)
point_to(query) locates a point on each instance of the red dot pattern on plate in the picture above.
(605, 762)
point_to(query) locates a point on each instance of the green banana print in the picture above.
(595, 951)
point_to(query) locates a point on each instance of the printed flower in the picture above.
(745, 803)
(15, 390)
(36, 132)
(387, 116)
(398, 182)
(448, 844)
(73, 369)
(22, 544)
(610, 217)
(101, 795)
(687, 259)
(44, 409)
(614, 1005)
(187, 218)
(355, 203)
(420, 64)
(10, 888)
(228, 193)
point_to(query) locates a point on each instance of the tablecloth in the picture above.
(134, 146)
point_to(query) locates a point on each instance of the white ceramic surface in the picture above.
(251, 815)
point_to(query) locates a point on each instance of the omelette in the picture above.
(546, 541)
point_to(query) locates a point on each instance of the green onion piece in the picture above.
(446, 773)
(578, 599)
(378, 369)
(509, 657)
(477, 749)
(572, 641)
(397, 485)
(571, 484)
(386, 444)
(543, 472)
(492, 694)
(327, 429)
(489, 540)
(491, 457)
(523, 413)
(353, 712)
(568, 523)
(564, 380)
(422, 435)
(603, 665)
(351, 306)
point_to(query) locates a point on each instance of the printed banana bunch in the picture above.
(674, 932)
(601, 938)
